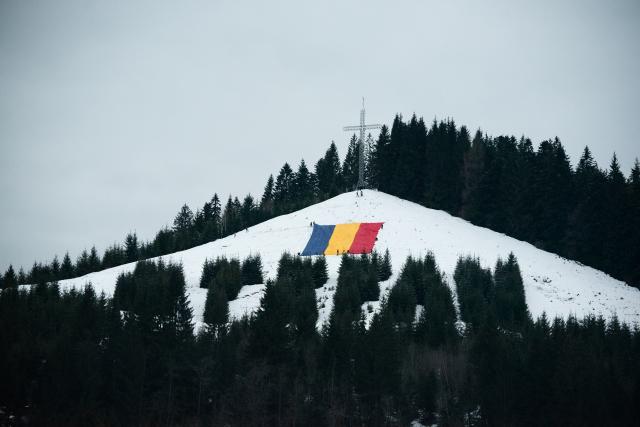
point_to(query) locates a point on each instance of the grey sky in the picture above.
(114, 113)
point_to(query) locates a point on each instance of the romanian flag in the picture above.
(354, 238)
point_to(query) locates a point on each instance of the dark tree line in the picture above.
(583, 213)
(76, 358)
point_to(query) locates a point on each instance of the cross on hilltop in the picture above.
(362, 128)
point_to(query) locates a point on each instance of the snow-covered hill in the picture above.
(553, 284)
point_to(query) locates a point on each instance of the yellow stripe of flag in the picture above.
(341, 238)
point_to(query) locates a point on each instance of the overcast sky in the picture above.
(115, 113)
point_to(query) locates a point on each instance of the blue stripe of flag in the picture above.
(319, 239)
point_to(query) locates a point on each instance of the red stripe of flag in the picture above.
(365, 238)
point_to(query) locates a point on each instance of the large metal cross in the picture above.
(362, 128)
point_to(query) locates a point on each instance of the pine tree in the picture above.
(616, 221)
(228, 276)
(475, 290)
(82, 264)
(523, 175)
(66, 269)
(350, 166)
(266, 203)
(385, 267)
(199, 222)
(632, 270)
(208, 224)
(283, 190)
(251, 271)
(22, 277)
(10, 280)
(216, 308)
(303, 186)
(587, 217)
(163, 243)
(177, 296)
(55, 268)
(271, 336)
(511, 307)
(328, 174)
(379, 168)
(229, 218)
(183, 225)
(208, 273)
(402, 304)
(347, 299)
(216, 214)
(248, 211)
(320, 273)
(113, 255)
(131, 247)
(94, 260)
(184, 220)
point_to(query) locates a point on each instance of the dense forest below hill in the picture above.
(534, 194)
(75, 358)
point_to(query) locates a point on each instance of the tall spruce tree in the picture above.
(212, 230)
(266, 202)
(82, 264)
(66, 269)
(251, 270)
(350, 167)
(304, 182)
(183, 225)
(473, 173)
(248, 211)
(55, 268)
(328, 174)
(511, 308)
(10, 280)
(131, 247)
(283, 190)
(385, 267)
(184, 219)
(22, 277)
(587, 217)
(632, 270)
(475, 290)
(320, 273)
(208, 273)
(216, 308)
(94, 260)
(379, 167)
(617, 221)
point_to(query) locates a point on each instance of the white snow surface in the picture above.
(554, 285)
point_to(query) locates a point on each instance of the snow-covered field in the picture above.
(553, 284)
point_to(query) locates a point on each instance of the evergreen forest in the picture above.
(75, 358)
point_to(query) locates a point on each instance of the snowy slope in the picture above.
(552, 284)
